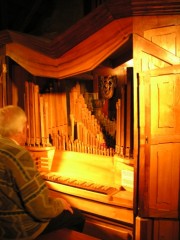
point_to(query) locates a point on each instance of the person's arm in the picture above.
(34, 192)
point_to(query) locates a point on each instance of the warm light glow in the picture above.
(125, 65)
(129, 63)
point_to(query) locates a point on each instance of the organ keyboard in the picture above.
(92, 183)
(89, 176)
(77, 183)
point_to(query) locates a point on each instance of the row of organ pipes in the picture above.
(48, 122)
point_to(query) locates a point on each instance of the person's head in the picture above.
(13, 123)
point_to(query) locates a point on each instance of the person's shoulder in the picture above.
(8, 146)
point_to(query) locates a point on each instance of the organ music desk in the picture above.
(92, 183)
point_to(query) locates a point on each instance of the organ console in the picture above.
(93, 183)
(73, 156)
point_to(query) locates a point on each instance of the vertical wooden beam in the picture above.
(129, 114)
(143, 228)
(123, 122)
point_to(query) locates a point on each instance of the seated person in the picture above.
(26, 210)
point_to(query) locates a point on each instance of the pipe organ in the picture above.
(111, 155)
(69, 143)
(48, 122)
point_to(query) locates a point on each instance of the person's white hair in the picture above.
(12, 120)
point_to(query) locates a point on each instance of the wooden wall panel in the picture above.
(166, 230)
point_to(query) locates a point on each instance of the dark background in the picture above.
(43, 17)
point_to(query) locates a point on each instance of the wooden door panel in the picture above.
(159, 118)
(148, 229)
(166, 230)
(164, 180)
(165, 108)
(160, 128)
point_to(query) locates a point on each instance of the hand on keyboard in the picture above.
(66, 205)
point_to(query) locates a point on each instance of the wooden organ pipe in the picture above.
(37, 115)
(49, 126)
(118, 126)
(31, 114)
(43, 121)
(26, 104)
(42, 111)
(89, 137)
(46, 121)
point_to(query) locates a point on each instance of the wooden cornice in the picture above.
(87, 43)
(79, 59)
(62, 43)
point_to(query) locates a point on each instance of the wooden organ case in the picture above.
(80, 155)
(105, 136)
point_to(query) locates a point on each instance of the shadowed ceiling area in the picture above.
(39, 17)
(51, 17)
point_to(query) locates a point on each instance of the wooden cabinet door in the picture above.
(166, 230)
(158, 65)
(159, 192)
(157, 229)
